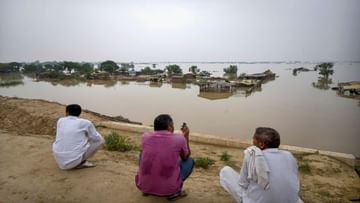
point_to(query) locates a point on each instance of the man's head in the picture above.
(163, 122)
(73, 110)
(266, 138)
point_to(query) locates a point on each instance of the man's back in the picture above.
(159, 172)
(71, 141)
(284, 183)
(71, 133)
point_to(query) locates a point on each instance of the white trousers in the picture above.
(94, 147)
(229, 180)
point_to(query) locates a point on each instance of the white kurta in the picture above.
(73, 135)
(283, 179)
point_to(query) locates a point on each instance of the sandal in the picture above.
(85, 164)
(177, 196)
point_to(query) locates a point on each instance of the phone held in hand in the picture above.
(183, 125)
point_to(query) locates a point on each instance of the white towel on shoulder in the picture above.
(257, 167)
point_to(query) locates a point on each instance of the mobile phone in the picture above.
(183, 125)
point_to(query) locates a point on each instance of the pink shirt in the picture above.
(159, 172)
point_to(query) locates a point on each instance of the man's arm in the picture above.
(93, 134)
(243, 181)
(185, 155)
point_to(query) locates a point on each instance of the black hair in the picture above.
(269, 136)
(73, 109)
(162, 122)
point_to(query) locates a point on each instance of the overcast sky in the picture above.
(183, 30)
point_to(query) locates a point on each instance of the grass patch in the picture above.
(225, 156)
(10, 83)
(357, 168)
(100, 126)
(137, 147)
(116, 142)
(305, 168)
(204, 162)
(324, 193)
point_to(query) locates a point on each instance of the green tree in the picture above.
(173, 70)
(86, 68)
(232, 69)
(33, 68)
(204, 73)
(54, 67)
(194, 69)
(71, 66)
(148, 71)
(326, 69)
(109, 66)
(324, 81)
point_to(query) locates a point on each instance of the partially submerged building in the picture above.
(352, 88)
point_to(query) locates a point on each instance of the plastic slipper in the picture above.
(177, 196)
(86, 164)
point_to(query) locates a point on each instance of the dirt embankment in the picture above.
(28, 172)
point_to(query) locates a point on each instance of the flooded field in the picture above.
(301, 107)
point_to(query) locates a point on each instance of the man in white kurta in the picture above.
(76, 140)
(273, 181)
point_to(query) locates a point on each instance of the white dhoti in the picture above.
(229, 179)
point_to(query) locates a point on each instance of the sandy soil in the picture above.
(28, 172)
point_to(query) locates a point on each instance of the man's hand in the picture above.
(185, 130)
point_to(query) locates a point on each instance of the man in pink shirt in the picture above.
(165, 160)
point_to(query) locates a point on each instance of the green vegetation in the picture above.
(232, 69)
(33, 68)
(116, 142)
(324, 81)
(324, 193)
(305, 168)
(173, 70)
(194, 70)
(204, 162)
(10, 83)
(325, 69)
(225, 156)
(148, 71)
(109, 66)
(357, 166)
(125, 67)
(204, 73)
(9, 67)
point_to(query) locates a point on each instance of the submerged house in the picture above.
(178, 79)
(216, 86)
(267, 75)
(351, 87)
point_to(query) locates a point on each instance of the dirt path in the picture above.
(28, 172)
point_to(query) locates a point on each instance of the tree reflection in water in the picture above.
(11, 79)
(323, 83)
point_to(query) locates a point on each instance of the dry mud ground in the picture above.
(28, 172)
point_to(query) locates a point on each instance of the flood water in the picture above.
(304, 115)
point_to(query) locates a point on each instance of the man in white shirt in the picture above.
(267, 174)
(76, 140)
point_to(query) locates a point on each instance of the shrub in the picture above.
(324, 193)
(116, 142)
(232, 69)
(225, 156)
(305, 168)
(204, 162)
